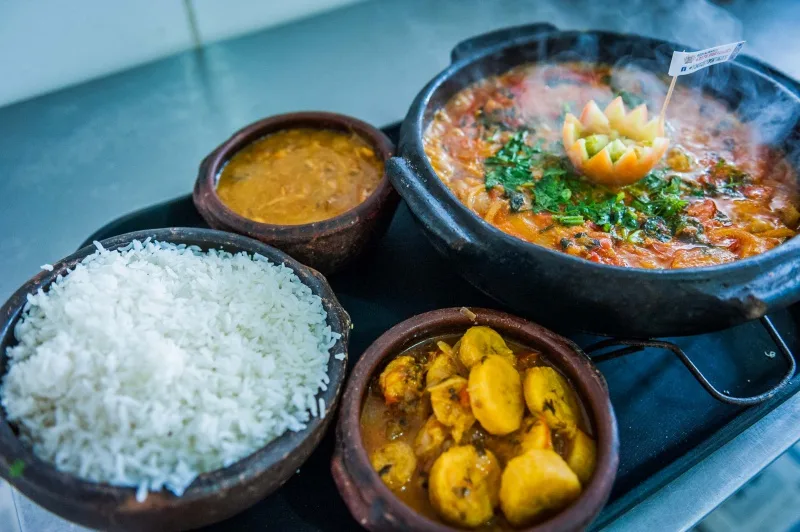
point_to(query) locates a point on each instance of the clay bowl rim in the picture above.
(93, 499)
(211, 207)
(562, 353)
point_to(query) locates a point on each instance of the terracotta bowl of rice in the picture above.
(151, 384)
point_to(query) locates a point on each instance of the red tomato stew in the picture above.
(719, 195)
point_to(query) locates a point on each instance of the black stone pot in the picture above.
(564, 291)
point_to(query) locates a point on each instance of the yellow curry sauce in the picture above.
(300, 176)
(477, 432)
(719, 195)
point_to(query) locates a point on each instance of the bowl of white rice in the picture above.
(166, 379)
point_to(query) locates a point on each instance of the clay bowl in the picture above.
(375, 506)
(213, 496)
(327, 245)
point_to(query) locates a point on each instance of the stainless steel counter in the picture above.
(73, 160)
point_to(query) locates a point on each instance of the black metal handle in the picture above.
(483, 41)
(633, 346)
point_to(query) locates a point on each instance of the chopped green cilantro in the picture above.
(550, 192)
(723, 179)
(545, 182)
(656, 227)
(511, 166)
(569, 219)
(728, 179)
(16, 469)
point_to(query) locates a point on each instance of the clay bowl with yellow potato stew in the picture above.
(475, 419)
(311, 184)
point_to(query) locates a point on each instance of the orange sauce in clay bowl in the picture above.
(311, 184)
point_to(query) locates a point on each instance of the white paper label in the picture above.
(687, 62)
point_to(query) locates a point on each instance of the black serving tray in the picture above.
(667, 421)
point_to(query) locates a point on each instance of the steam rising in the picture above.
(773, 111)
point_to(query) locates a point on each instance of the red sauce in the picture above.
(737, 197)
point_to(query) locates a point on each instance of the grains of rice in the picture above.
(151, 364)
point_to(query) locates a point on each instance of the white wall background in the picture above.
(49, 44)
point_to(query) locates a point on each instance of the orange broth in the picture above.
(718, 196)
(300, 176)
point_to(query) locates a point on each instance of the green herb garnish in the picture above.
(723, 179)
(16, 469)
(728, 178)
(690, 228)
(550, 192)
(569, 219)
(511, 166)
(659, 197)
(546, 182)
(656, 227)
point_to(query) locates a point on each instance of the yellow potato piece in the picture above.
(430, 438)
(442, 367)
(401, 380)
(548, 393)
(464, 485)
(395, 463)
(535, 482)
(581, 456)
(534, 434)
(479, 342)
(450, 403)
(495, 393)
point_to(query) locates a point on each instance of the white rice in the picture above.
(149, 365)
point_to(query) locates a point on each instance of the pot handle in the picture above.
(476, 44)
(430, 212)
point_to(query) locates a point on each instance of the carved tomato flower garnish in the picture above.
(614, 147)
